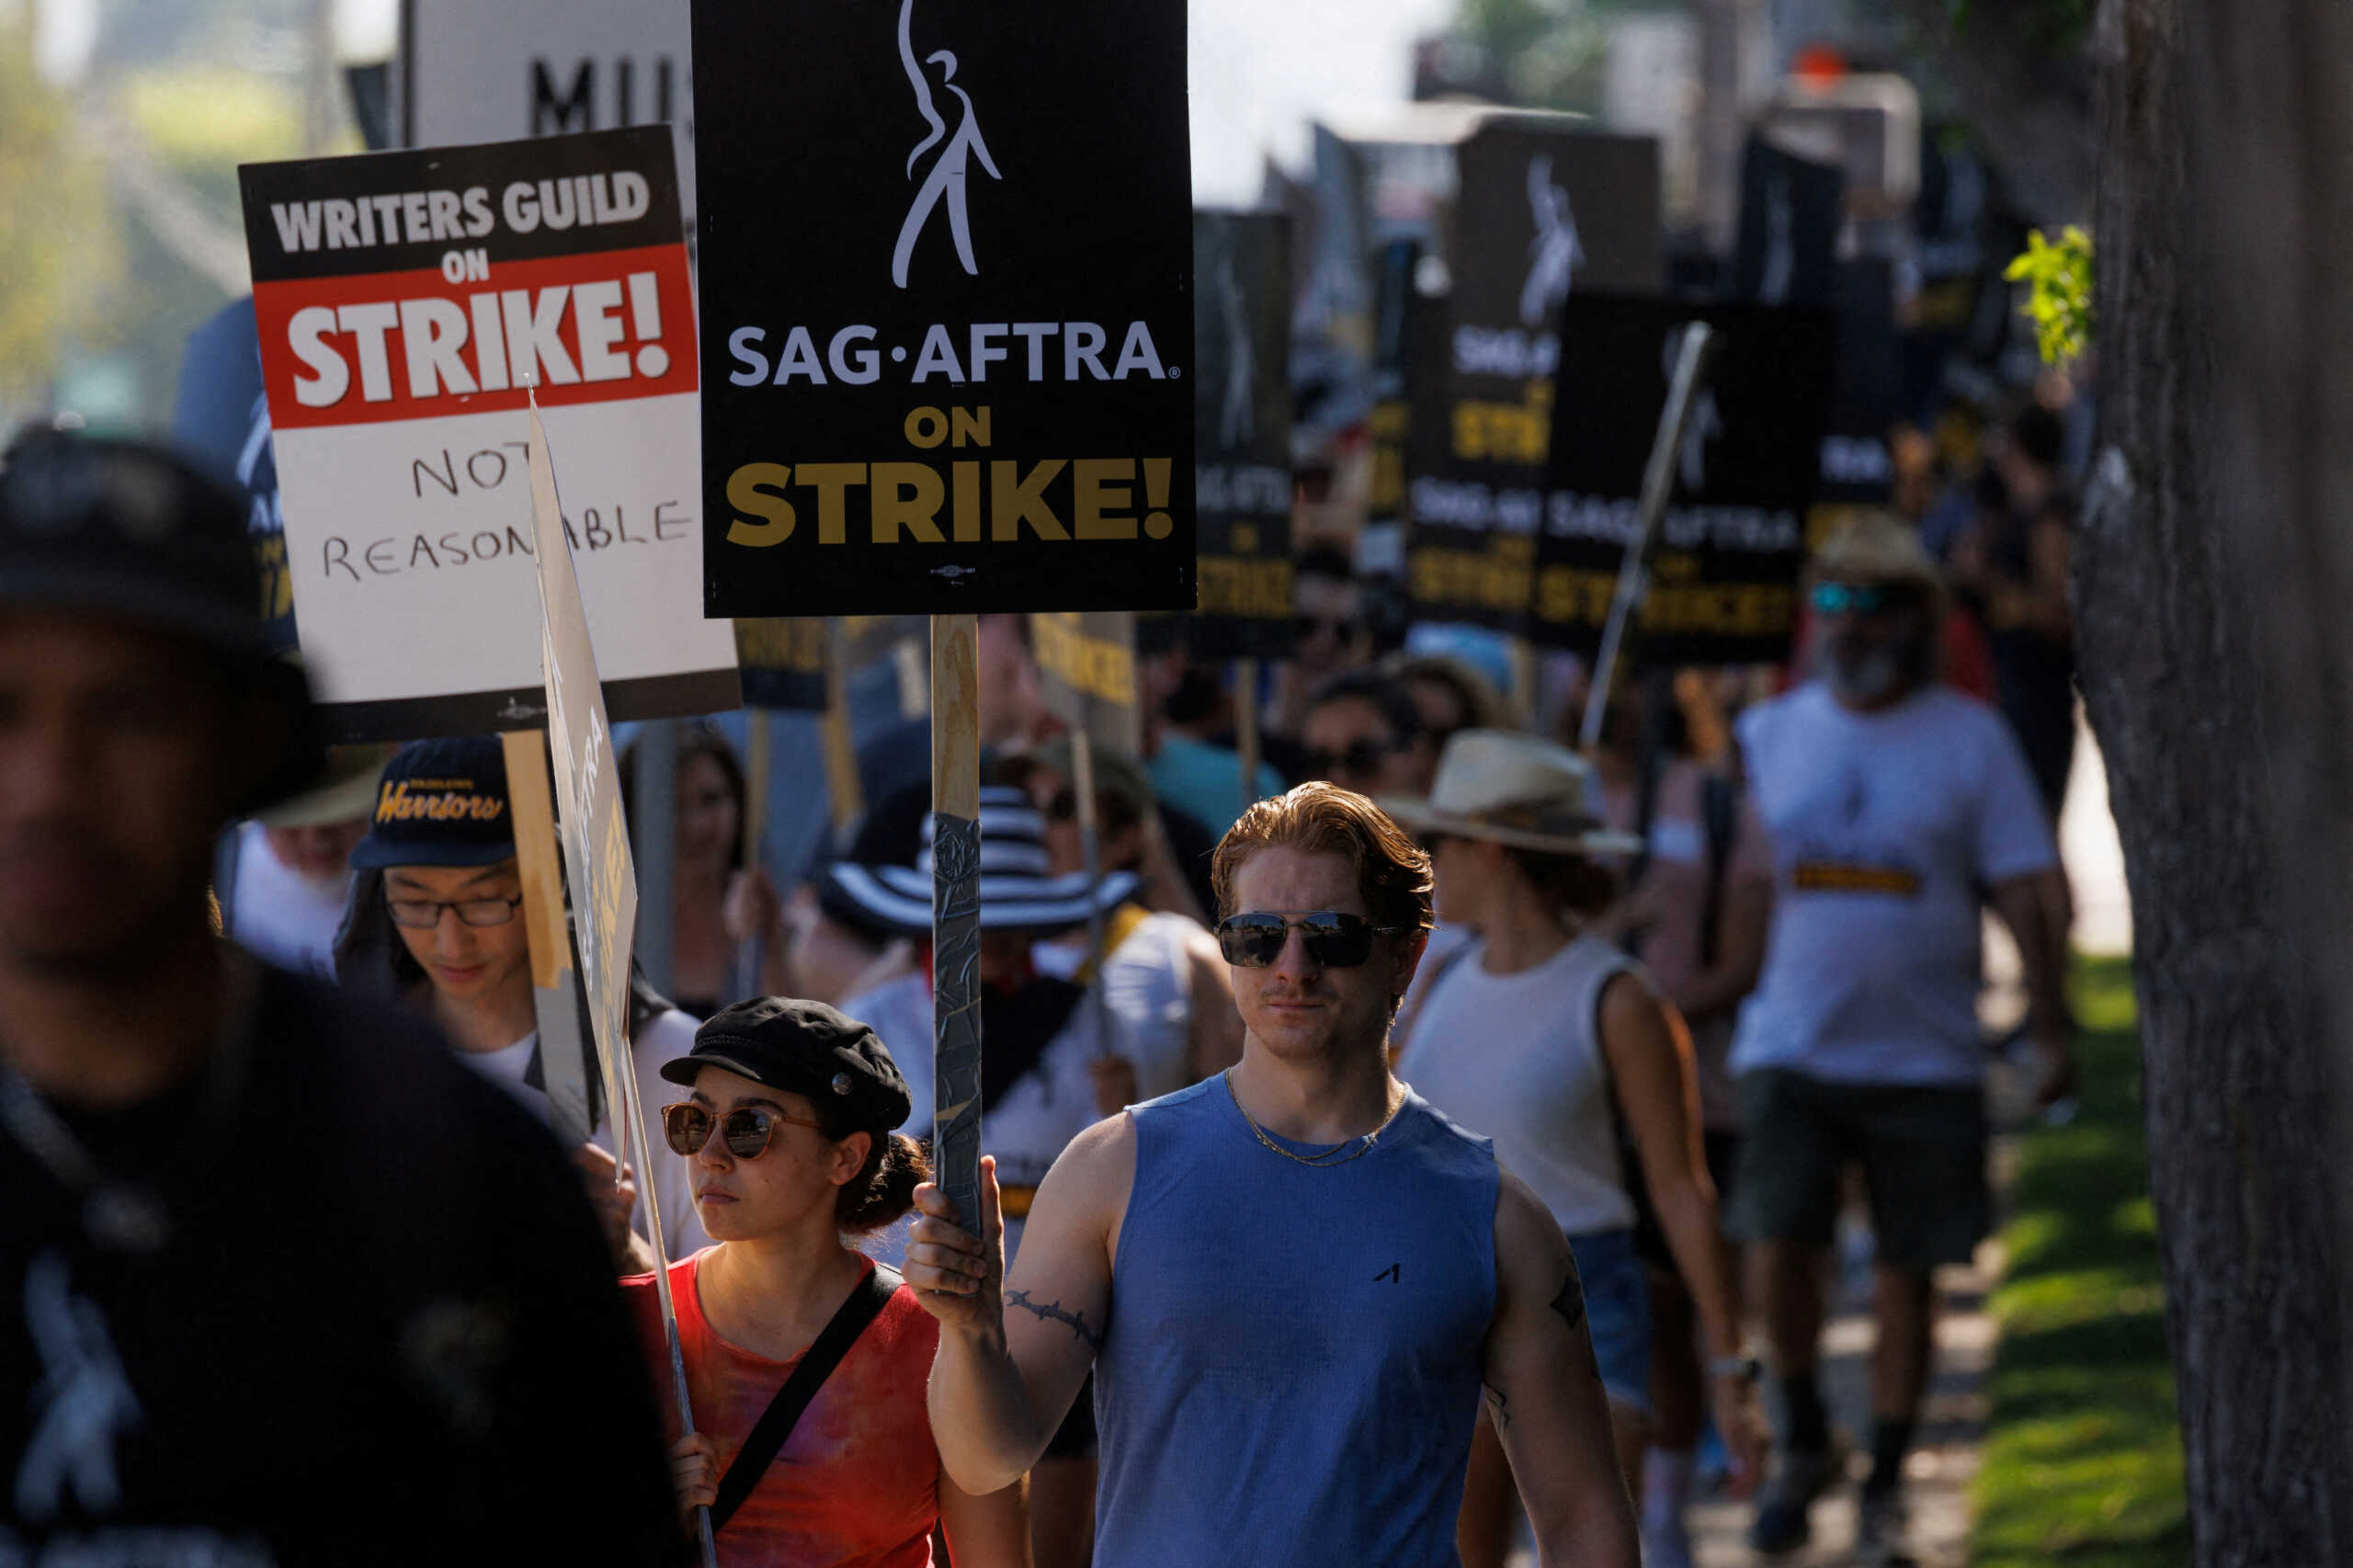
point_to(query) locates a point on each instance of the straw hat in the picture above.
(1514, 790)
(1877, 548)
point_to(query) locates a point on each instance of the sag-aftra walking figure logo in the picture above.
(1554, 255)
(946, 182)
(84, 1399)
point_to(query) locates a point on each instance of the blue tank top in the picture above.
(1291, 1371)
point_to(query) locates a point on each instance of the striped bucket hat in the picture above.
(1017, 892)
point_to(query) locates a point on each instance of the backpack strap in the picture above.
(784, 1412)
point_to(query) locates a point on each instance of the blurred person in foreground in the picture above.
(437, 923)
(283, 877)
(1546, 1036)
(1292, 1281)
(1895, 807)
(282, 1282)
(787, 1121)
(1695, 913)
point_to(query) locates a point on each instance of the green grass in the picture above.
(2082, 1457)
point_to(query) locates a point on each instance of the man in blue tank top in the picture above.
(1293, 1282)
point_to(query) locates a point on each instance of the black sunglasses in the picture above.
(1361, 759)
(1333, 940)
(746, 1130)
(1860, 598)
(1342, 627)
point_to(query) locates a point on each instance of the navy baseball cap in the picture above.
(440, 803)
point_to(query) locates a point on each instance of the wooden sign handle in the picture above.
(841, 750)
(956, 913)
(536, 855)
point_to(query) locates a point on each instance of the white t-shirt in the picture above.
(281, 915)
(665, 1038)
(1887, 828)
(1517, 1057)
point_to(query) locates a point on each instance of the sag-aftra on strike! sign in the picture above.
(946, 254)
(404, 300)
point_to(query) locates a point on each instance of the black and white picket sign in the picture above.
(1867, 392)
(946, 254)
(1545, 214)
(1242, 410)
(1791, 210)
(1724, 579)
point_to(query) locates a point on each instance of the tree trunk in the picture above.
(2212, 646)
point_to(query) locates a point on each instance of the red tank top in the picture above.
(857, 1484)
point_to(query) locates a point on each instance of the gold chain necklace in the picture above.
(1332, 1156)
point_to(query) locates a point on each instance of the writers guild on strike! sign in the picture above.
(404, 303)
(962, 388)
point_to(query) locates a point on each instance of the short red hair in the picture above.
(1392, 873)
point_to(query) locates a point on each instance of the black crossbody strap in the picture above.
(783, 1413)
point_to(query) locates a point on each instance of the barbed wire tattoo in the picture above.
(1052, 1313)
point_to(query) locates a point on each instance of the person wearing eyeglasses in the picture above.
(1896, 809)
(438, 865)
(1545, 1036)
(786, 1125)
(1364, 732)
(1293, 1282)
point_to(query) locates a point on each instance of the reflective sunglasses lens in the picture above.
(1336, 940)
(686, 1128)
(1252, 941)
(745, 1133)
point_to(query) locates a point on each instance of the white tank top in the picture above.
(1517, 1057)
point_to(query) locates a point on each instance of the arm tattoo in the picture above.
(1570, 1302)
(1052, 1313)
(1498, 1406)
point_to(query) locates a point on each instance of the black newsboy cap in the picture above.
(804, 1048)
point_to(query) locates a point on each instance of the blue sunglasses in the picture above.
(1851, 599)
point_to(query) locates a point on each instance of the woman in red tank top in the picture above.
(787, 1134)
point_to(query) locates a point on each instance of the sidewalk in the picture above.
(1951, 1432)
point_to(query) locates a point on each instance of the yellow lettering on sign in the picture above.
(751, 489)
(1100, 495)
(925, 427)
(1015, 501)
(968, 503)
(1246, 586)
(908, 495)
(831, 482)
(1505, 432)
(968, 425)
(1094, 666)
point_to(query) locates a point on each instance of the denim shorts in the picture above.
(1617, 1312)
